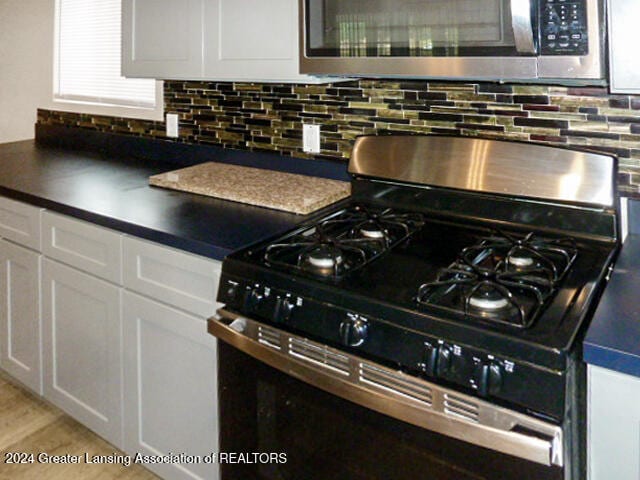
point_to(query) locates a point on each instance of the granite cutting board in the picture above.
(266, 188)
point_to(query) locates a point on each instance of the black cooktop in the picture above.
(516, 282)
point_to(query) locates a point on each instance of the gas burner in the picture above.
(371, 230)
(501, 278)
(324, 260)
(343, 242)
(489, 297)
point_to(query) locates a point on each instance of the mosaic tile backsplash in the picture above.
(269, 117)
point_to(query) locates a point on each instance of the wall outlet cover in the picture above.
(311, 138)
(172, 125)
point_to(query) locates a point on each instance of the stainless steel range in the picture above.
(435, 316)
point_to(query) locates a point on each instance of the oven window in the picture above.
(325, 437)
(409, 28)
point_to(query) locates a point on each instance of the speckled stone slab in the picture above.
(265, 188)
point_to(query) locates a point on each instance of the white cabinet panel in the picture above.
(614, 425)
(162, 38)
(20, 223)
(624, 61)
(180, 279)
(252, 40)
(20, 328)
(241, 40)
(83, 245)
(246, 24)
(82, 348)
(170, 386)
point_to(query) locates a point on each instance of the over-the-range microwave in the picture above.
(525, 40)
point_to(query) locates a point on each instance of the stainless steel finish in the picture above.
(522, 24)
(624, 62)
(490, 166)
(580, 67)
(587, 69)
(397, 394)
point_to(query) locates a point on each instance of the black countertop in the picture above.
(613, 338)
(112, 190)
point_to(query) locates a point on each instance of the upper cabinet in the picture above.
(162, 38)
(230, 40)
(624, 62)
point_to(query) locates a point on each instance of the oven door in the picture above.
(317, 413)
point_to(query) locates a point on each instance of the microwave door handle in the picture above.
(521, 22)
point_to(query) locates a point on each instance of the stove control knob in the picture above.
(253, 297)
(353, 331)
(284, 309)
(437, 360)
(444, 360)
(430, 360)
(488, 378)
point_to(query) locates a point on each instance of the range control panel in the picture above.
(563, 27)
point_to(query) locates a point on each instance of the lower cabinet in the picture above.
(170, 390)
(20, 331)
(82, 348)
(613, 425)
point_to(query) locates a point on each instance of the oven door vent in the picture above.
(395, 383)
(319, 355)
(461, 408)
(269, 336)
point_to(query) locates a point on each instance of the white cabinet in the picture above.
(180, 279)
(624, 62)
(20, 327)
(83, 245)
(162, 38)
(229, 40)
(613, 425)
(82, 348)
(170, 399)
(112, 329)
(20, 223)
(170, 387)
(252, 40)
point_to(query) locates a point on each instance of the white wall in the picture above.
(26, 64)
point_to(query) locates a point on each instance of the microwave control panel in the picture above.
(563, 27)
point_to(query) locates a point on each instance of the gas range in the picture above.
(455, 262)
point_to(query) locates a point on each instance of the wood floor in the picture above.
(29, 425)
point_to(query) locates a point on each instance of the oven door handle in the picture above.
(391, 392)
(522, 24)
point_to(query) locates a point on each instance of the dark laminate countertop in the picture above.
(113, 191)
(613, 338)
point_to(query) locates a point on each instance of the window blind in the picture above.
(88, 56)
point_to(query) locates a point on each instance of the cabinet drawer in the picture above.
(94, 249)
(180, 279)
(20, 223)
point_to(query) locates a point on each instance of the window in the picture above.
(87, 64)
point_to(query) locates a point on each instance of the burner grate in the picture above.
(501, 279)
(344, 242)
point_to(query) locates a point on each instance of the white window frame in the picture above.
(96, 108)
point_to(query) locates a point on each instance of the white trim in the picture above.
(155, 114)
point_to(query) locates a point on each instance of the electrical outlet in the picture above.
(172, 125)
(311, 138)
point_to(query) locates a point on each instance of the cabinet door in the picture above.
(162, 38)
(624, 63)
(83, 245)
(20, 223)
(614, 425)
(252, 40)
(20, 314)
(82, 348)
(170, 386)
(183, 280)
